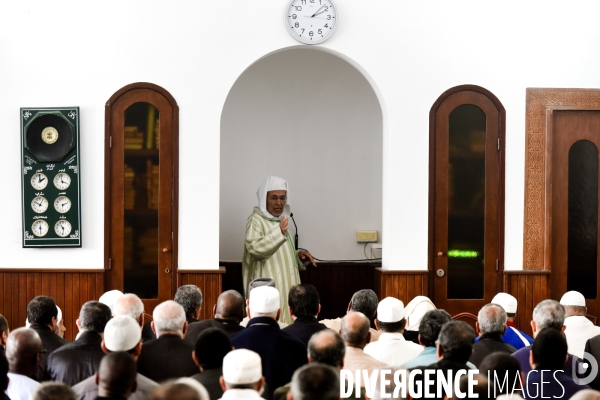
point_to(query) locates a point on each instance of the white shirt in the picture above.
(392, 349)
(242, 394)
(20, 387)
(579, 330)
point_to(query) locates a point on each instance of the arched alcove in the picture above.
(312, 118)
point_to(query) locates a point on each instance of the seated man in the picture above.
(54, 391)
(578, 328)
(190, 298)
(391, 348)
(242, 375)
(414, 312)
(455, 345)
(121, 333)
(168, 356)
(364, 301)
(116, 376)
(355, 332)
(42, 316)
(211, 346)
(491, 324)
(228, 313)
(23, 348)
(513, 336)
(547, 377)
(280, 352)
(315, 381)
(304, 306)
(80, 359)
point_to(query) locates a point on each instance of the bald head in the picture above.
(230, 305)
(355, 329)
(23, 348)
(116, 375)
(131, 305)
(327, 347)
(169, 318)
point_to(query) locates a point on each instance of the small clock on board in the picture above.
(311, 21)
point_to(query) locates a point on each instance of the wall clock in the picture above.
(50, 172)
(311, 21)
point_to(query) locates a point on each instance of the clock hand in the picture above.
(42, 179)
(317, 12)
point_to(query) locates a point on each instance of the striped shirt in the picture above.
(270, 254)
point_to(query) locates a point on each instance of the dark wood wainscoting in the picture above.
(403, 285)
(69, 288)
(529, 287)
(210, 282)
(335, 282)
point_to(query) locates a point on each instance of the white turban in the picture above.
(272, 183)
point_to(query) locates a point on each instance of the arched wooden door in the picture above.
(466, 213)
(141, 192)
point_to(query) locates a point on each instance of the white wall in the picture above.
(67, 53)
(310, 117)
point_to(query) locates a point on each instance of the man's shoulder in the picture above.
(145, 382)
(86, 385)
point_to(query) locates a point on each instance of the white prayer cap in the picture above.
(572, 298)
(110, 297)
(390, 309)
(506, 301)
(122, 333)
(264, 299)
(242, 366)
(415, 310)
(59, 315)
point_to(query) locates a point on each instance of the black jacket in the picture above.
(304, 327)
(77, 360)
(167, 357)
(489, 343)
(50, 341)
(196, 328)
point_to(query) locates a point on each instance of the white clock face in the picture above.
(39, 228)
(311, 21)
(62, 204)
(39, 181)
(62, 181)
(39, 204)
(62, 228)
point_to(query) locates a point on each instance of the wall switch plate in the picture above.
(366, 236)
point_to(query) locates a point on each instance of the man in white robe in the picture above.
(268, 247)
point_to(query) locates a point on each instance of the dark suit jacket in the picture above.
(552, 384)
(487, 344)
(523, 356)
(167, 357)
(147, 333)
(77, 360)
(210, 379)
(280, 352)
(50, 341)
(592, 346)
(304, 327)
(196, 328)
(444, 365)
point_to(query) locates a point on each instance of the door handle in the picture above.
(439, 254)
(165, 250)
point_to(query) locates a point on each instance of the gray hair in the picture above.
(492, 319)
(53, 391)
(130, 305)
(327, 347)
(549, 314)
(316, 382)
(189, 297)
(365, 301)
(168, 316)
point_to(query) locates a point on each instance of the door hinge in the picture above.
(110, 263)
(497, 264)
(110, 142)
(498, 144)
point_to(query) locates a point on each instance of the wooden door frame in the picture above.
(540, 102)
(432, 179)
(175, 184)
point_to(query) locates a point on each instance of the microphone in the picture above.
(295, 226)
